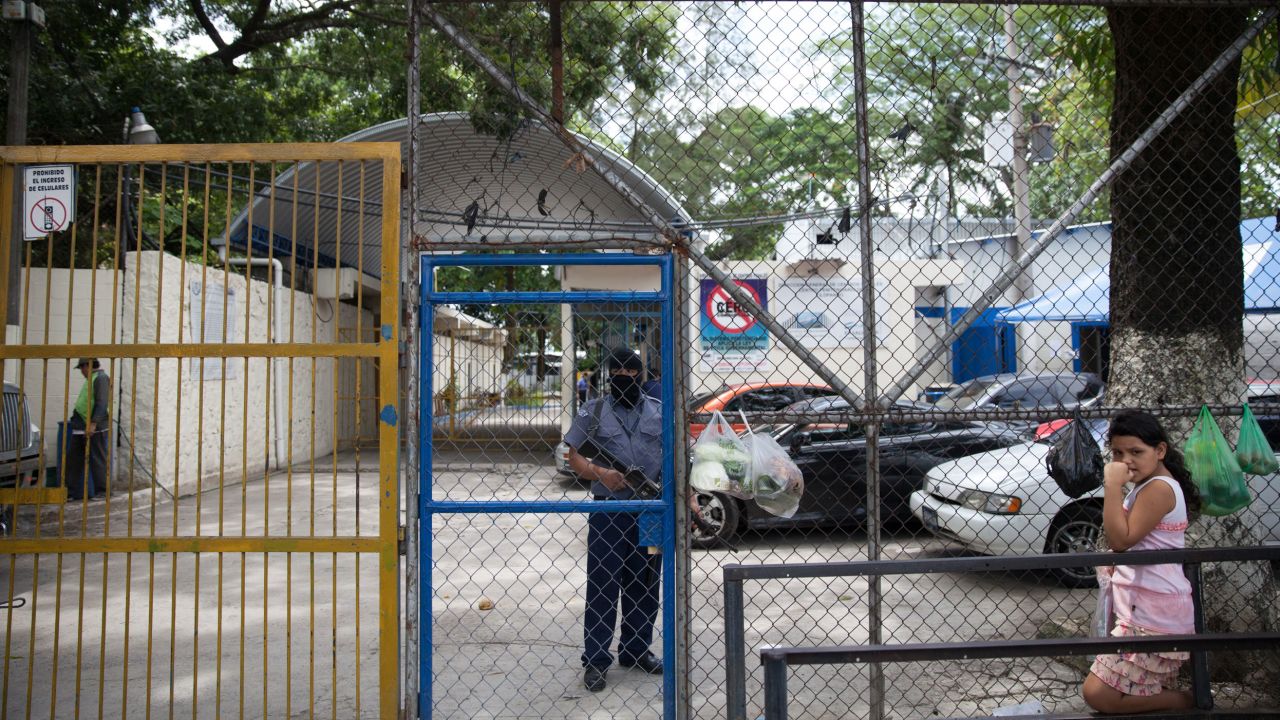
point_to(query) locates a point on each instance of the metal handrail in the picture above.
(777, 659)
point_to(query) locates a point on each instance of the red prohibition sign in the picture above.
(48, 215)
(736, 320)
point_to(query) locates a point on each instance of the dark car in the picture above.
(832, 458)
(1018, 391)
(19, 449)
(729, 400)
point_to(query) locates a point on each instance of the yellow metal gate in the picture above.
(242, 305)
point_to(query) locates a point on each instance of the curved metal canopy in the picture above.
(528, 187)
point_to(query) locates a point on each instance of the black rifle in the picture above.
(637, 481)
(646, 489)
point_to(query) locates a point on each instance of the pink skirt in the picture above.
(1143, 674)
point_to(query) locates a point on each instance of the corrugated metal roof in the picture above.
(525, 187)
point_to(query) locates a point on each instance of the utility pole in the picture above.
(1021, 289)
(22, 35)
(1022, 285)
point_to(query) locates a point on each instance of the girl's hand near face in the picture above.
(1116, 474)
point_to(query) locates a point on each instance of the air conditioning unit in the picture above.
(343, 284)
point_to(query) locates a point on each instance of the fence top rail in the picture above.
(920, 652)
(1100, 3)
(521, 260)
(736, 572)
(900, 413)
(1086, 3)
(232, 152)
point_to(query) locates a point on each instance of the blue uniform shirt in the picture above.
(631, 436)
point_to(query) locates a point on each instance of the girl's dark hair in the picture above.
(1145, 427)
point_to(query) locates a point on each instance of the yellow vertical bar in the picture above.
(93, 296)
(251, 196)
(388, 444)
(315, 330)
(244, 470)
(359, 403)
(6, 237)
(84, 496)
(195, 674)
(155, 436)
(116, 369)
(177, 454)
(133, 426)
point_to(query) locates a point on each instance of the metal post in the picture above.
(556, 46)
(672, 482)
(775, 687)
(1021, 172)
(1199, 658)
(679, 377)
(410, 300)
(1119, 165)
(735, 651)
(23, 34)
(870, 368)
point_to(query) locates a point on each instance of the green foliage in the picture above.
(296, 73)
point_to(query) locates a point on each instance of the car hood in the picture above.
(1017, 470)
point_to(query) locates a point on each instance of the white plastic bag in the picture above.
(720, 460)
(774, 479)
(1104, 611)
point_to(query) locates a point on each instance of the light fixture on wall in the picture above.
(137, 131)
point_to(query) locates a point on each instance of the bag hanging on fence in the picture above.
(1104, 612)
(1075, 460)
(774, 478)
(1253, 451)
(1214, 468)
(720, 460)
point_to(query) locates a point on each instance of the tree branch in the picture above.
(259, 32)
(197, 8)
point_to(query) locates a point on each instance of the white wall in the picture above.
(61, 307)
(899, 344)
(476, 366)
(170, 436)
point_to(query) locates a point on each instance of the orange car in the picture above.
(751, 397)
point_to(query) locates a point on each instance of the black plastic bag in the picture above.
(1075, 460)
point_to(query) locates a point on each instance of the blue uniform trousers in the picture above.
(617, 567)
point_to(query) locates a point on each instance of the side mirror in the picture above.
(798, 440)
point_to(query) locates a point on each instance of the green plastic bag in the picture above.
(1253, 451)
(1214, 468)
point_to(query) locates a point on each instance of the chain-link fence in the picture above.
(913, 240)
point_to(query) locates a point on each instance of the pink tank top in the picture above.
(1156, 597)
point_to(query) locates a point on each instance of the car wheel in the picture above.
(1076, 530)
(721, 514)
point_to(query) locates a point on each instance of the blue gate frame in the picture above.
(428, 507)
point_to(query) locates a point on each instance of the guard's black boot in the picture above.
(593, 678)
(647, 662)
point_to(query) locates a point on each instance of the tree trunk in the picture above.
(1177, 292)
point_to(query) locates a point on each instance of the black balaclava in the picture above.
(625, 389)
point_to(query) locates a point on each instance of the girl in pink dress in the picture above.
(1148, 599)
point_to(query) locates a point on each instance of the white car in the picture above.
(1003, 502)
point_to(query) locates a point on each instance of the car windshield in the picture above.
(701, 399)
(965, 394)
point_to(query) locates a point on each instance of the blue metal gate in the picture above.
(437, 508)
